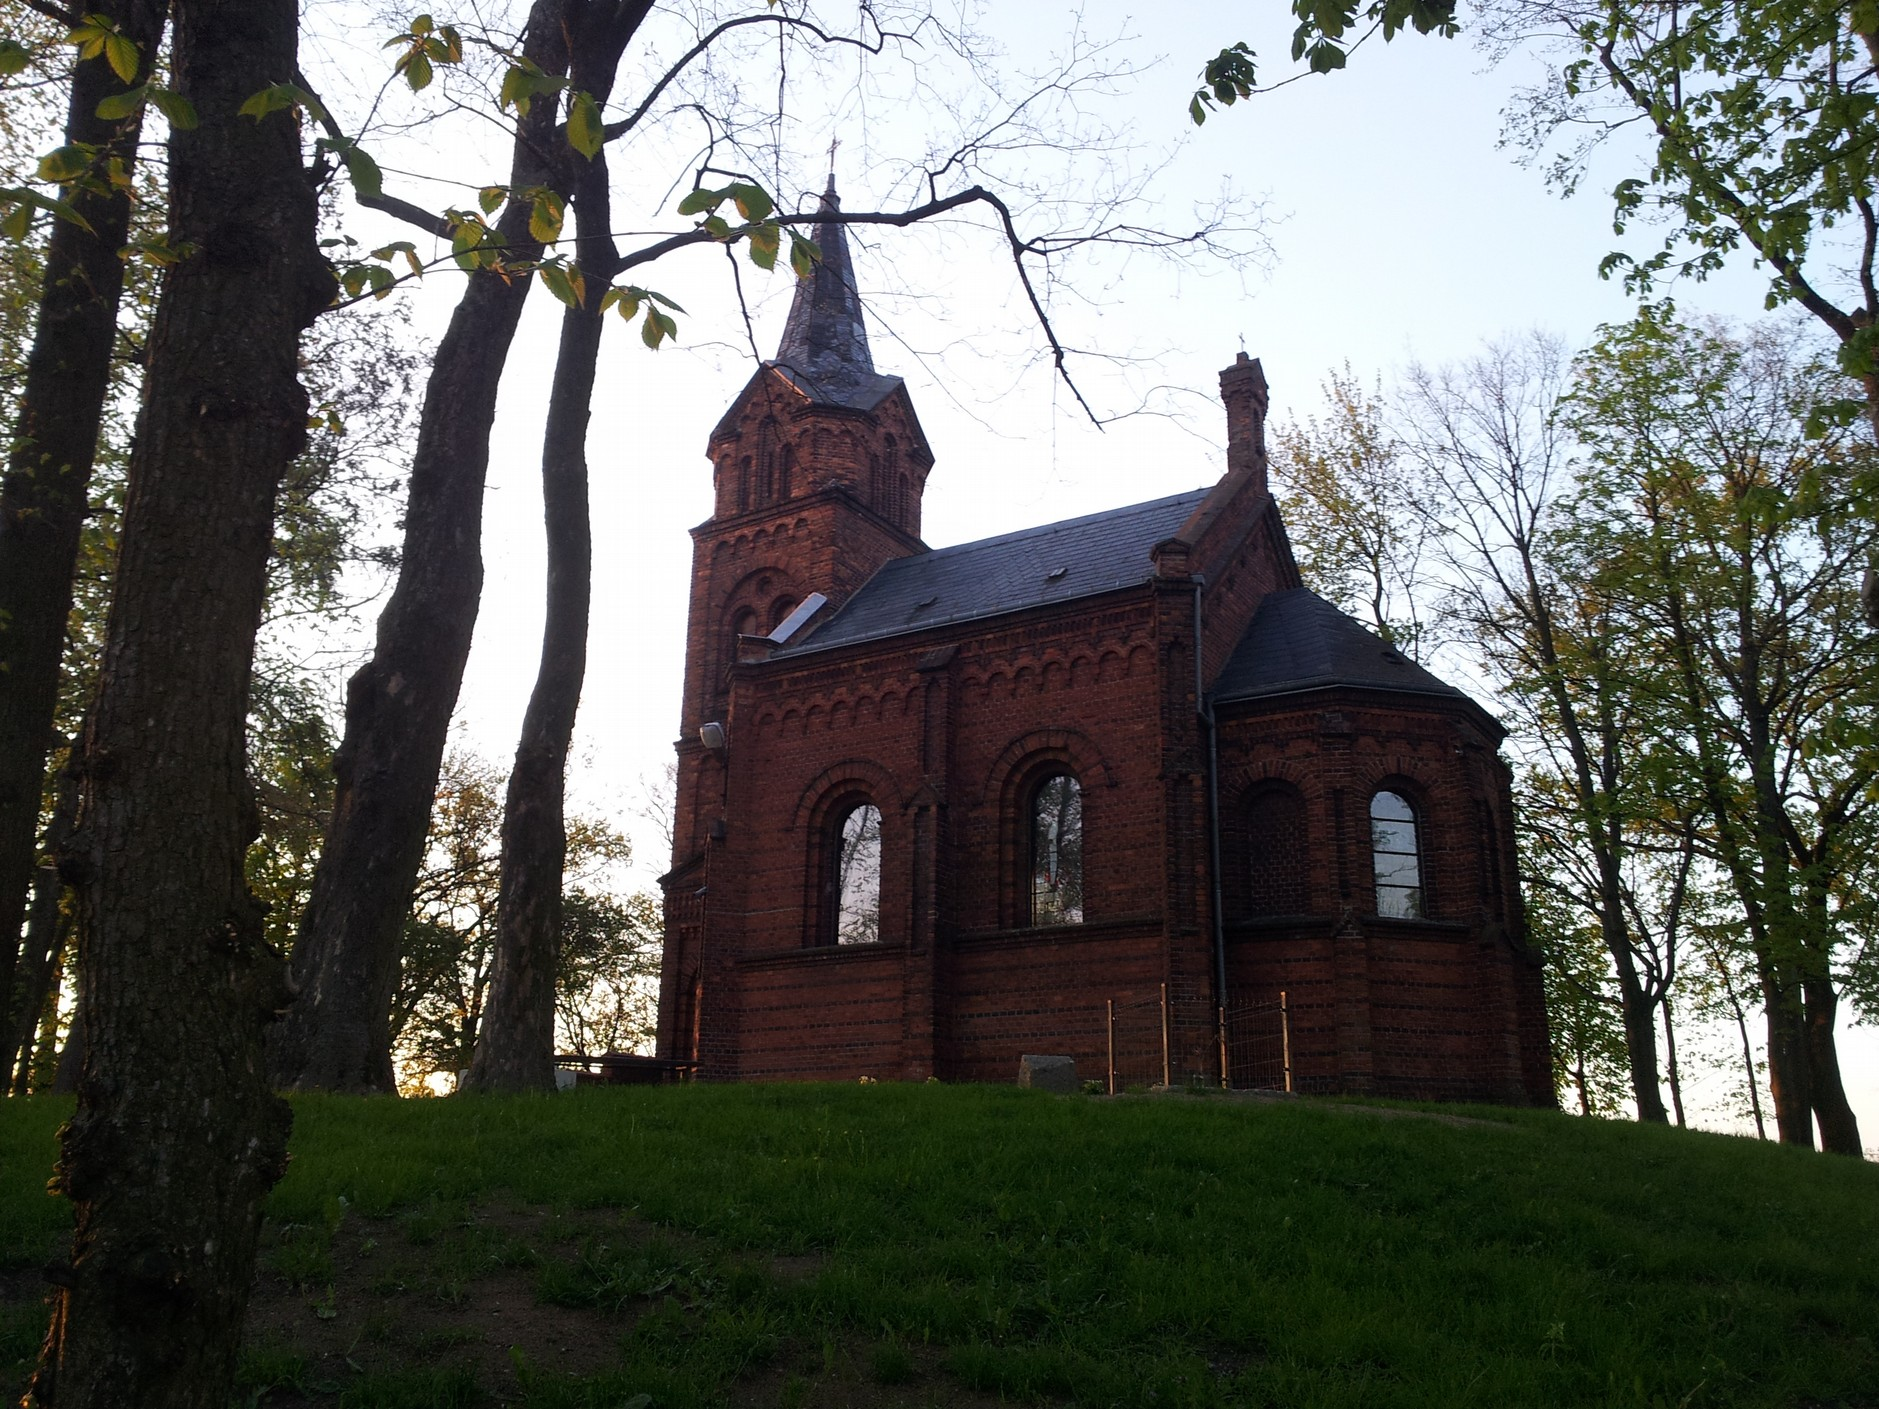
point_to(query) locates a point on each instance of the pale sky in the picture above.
(1397, 230)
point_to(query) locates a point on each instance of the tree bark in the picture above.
(177, 1137)
(515, 1046)
(1839, 1127)
(1670, 1061)
(43, 497)
(398, 706)
(45, 932)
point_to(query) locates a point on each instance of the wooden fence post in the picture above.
(1109, 1007)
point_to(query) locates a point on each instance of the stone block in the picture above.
(1057, 1075)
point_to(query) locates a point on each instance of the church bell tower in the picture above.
(819, 466)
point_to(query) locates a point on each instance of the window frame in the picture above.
(832, 839)
(1034, 917)
(1417, 895)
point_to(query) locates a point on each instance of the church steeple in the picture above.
(825, 340)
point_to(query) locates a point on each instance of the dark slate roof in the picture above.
(1005, 574)
(1299, 641)
(824, 351)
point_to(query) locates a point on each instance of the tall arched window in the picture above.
(1057, 852)
(1396, 856)
(1277, 882)
(854, 877)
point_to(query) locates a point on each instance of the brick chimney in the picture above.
(1243, 389)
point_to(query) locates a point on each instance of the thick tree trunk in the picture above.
(177, 1137)
(515, 1046)
(399, 704)
(1788, 1083)
(1839, 1127)
(43, 497)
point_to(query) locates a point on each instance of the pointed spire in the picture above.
(825, 338)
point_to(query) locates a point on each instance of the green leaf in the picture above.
(490, 197)
(121, 54)
(405, 248)
(14, 57)
(698, 201)
(559, 284)
(276, 97)
(804, 255)
(367, 179)
(753, 203)
(417, 70)
(585, 130)
(177, 110)
(63, 164)
(662, 299)
(545, 216)
(522, 82)
(122, 105)
(716, 226)
(18, 223)
(657, 328)
(765, 241)
(422, 24)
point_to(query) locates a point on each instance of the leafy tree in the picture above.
(1350, 502)
(607, 952)
(1725, 534)
(1496, 466)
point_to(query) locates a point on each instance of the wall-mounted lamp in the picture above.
(712, 736)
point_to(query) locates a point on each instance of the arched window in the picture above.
(1275, 853)
(853, 877)
(1057, 852)
(1396, 856)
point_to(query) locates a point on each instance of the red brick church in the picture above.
(938, 806)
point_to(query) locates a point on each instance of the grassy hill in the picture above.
(914, 1245)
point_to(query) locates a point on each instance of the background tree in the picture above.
(1350, 505)
(1727, 534)
(608, 949)
(1496, 467)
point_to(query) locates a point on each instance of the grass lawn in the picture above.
(891, 1245)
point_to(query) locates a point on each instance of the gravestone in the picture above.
(1054, 1074)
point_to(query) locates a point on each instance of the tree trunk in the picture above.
(39, 1042)
(45, 931)
(1839, 1128)
(1748, 1050)
(177, 1137)
(398, 706)
(43, 498)
(65, 1071)
(515, 1046)
(1788, 1083)
(1670, 1061)
(1634, 1003)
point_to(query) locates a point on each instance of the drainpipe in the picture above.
(1204, 705)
